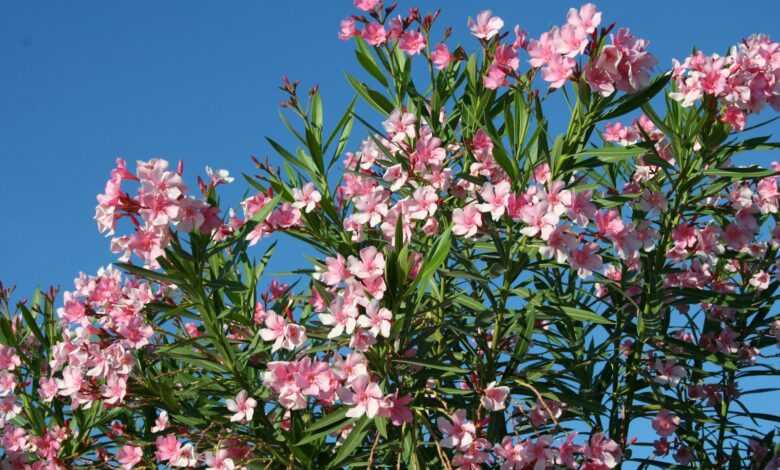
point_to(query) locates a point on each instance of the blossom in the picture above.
(441, 57)
(128, 456)
(458, 431)
(496, 199)
(374, 34)
(161, 423)
(557, 70)
(368, 5)
(602, 451)
(243, 407)
(284, 335)
(376, 320)
(364, 396)
(585, 259)
(347, 29)
(396, 408)
(486, 26)
(665, 423)
(494, 397)
(587, 19)
(370, 264)
(219, 176)
(400, 125)
(219, 461)
(466, 221)
(412, 42)
(306, 198)
(341, 316)
(9, 360)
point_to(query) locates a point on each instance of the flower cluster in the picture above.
(161, 204)
(741, 83)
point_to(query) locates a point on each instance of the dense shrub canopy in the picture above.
(486, 293)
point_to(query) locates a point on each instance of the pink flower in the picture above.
(365, 397)
(161, 423)
(496, 199)
(9, 360)
(115, 389)
(466, 221)
(760, 280)
(412, 42)
(495, 78)
(458, 431)
(441, 56)
(168, 448)
(376, 320)
(521, 38)
(219, 176)
(347, 29)
(71, 381)
(494, 398)
(486, 26)
(374, 34)
(368, 5)
(540, 414)
(400, 125)
(47, 389)
(284, 335)
(668, 372)
(586, 20)
(128, 456)
(542, 51)
(219, 461)
(558, 70)
(397, 409)
(306, 198)
(601, 450)
(585, 259)
(665, 423)
(341, 316)
(567, 452)
(512, 453)
(570, 41)
(335, 271)
(370, 264)
(243, 407)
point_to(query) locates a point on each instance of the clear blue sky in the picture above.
(84, 82)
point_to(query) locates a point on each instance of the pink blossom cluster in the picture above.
(102, 325)
(472, 452)
(742, 82)
(377, 30)
(347, 379)
(161, 204)
(284, 217)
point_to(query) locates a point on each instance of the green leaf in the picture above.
(434, 365)
(433, 261)
(740, 173)
(582, 315)
(470, 303)
(614, 154)
(372, 97)
(353, 440)
(366, 59)
(628, 103)
(148, 274)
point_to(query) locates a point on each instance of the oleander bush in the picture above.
(486, 292)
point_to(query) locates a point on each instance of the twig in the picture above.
(373, 449)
